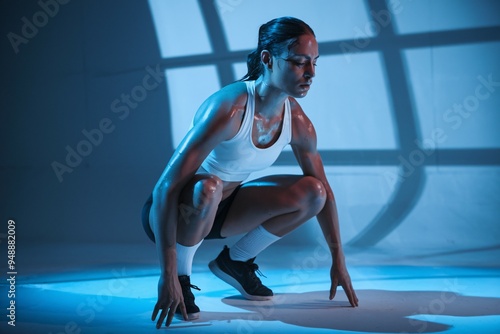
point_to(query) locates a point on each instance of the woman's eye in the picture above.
(302, 64)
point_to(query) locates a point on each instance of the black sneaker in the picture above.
(241, 275)
(192, 310)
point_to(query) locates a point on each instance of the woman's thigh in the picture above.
(196, 208)
(262, 199)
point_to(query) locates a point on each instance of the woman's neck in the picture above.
(269, 99)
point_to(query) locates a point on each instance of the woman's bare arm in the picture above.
(305, 149)
(218, 119)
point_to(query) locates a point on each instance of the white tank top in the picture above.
(234, 159)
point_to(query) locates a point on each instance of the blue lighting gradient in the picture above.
(95, 96)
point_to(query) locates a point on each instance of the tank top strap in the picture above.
(247, 121)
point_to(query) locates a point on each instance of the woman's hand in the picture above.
(340, 276)
(169, 298)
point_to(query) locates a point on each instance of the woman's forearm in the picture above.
(329, 222)
(164, 214)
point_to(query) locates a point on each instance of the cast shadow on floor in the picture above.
(378, 311)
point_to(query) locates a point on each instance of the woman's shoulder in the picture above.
(301, 124)
(232, 95)
(295, 108)
(224, 104)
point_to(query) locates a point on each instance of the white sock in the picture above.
(185, 255)
(252, 244)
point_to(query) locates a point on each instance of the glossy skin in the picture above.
(185, 198)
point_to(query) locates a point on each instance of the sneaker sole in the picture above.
(214, 268)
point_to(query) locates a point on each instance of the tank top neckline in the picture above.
(251, 99)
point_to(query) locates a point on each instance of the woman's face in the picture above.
(293, 70)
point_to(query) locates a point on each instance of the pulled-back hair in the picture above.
(275, 36)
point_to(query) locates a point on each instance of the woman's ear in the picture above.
(267, 59)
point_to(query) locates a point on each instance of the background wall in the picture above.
(96, 94)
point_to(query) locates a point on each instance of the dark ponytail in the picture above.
(275, 36)
(254, 66)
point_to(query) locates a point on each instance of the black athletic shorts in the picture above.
(220, 216)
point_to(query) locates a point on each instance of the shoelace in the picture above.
(254, 268)
(189, 294)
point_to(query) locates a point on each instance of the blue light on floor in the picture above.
(393, 299)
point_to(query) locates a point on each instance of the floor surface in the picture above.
(398, 293)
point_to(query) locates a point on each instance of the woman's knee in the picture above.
(206, 191)
(313, 193)
(199, 202)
